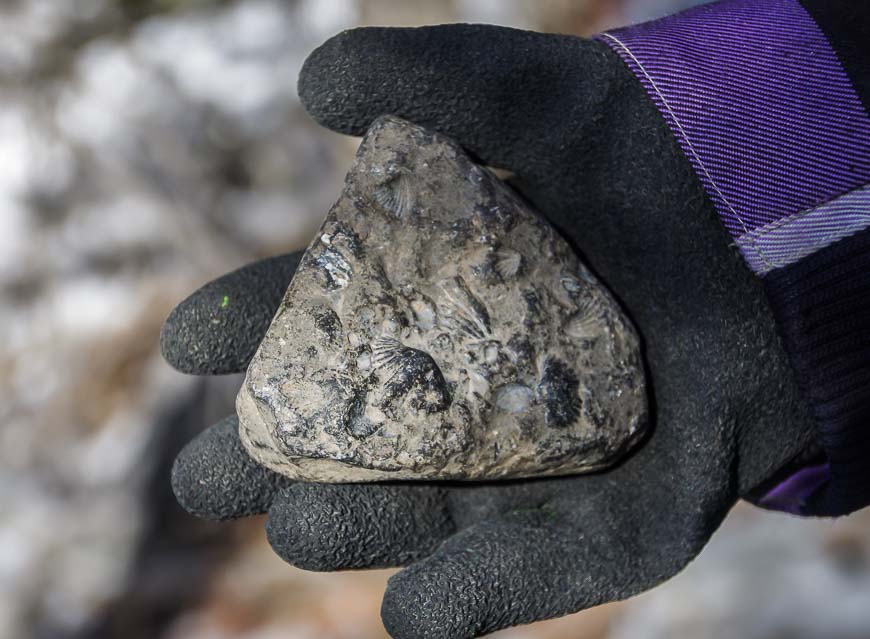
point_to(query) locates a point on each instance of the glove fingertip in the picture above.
(214, 478)
(333, 78)
(409, 612)
(217, 329)
(327, 527)
(299, 534)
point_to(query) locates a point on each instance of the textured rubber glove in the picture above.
(591, 151)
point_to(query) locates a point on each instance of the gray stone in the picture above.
(437, 328)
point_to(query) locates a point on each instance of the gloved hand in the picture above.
(592, 153)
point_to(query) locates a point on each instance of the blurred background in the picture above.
(147, 147)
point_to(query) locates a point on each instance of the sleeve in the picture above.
(769, 100)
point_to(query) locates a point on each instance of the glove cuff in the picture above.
(776, 131)
(822, 305)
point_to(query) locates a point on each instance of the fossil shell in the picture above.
(437, 328)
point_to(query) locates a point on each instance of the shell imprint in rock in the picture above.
(437, 328)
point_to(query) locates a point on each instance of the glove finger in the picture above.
(516, 569)
(214, 478)
(505, 94)
(217, 330)
(340, 526)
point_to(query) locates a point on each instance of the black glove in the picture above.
(592, 153)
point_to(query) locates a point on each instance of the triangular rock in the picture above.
(437, 328)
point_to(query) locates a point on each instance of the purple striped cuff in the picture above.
(767, 116)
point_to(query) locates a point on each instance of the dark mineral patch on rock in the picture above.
(558, 392)
(437, 328)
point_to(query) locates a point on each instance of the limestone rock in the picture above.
(437, 328)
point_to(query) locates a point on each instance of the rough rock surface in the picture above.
(437, 328)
